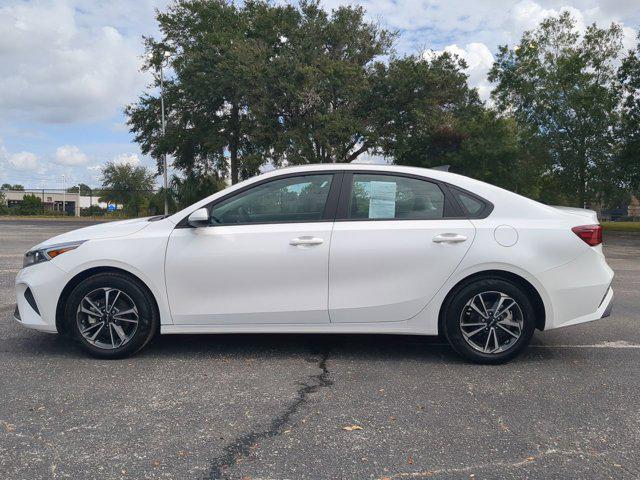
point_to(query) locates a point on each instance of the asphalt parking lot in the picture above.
(275, 406)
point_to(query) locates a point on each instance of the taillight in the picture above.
(590, 234)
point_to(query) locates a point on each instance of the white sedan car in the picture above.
(327, 249)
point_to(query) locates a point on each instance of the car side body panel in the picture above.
(248, 274)
(389, 270)
(520, 236)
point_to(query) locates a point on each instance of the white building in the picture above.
(52, 201)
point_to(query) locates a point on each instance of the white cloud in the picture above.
(124, 158)
(479, 61)
(629, 39)
(3, 157)
(70, 155)
(3, 151)
(78, 61)
(23, 161)
(55, 68)
(367, 158)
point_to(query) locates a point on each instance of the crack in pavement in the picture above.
(242, 445)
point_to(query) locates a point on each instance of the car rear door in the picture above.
(396, 240)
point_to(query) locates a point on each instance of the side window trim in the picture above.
(451, 208)
(328, 215)
(487, 205)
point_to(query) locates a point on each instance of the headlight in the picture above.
(47, 253)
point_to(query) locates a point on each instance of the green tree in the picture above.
(30, 205)
(82, 188)
(128, 185)
(218, 52)
(559, 87)
(188, 189)
(16, 187)
(629, 82)
(257, 83)
(317, 103)
(422, 104)
(3, 203)
(428, 116)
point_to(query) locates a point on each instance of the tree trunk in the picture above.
(233, 143)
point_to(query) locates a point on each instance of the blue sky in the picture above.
(68, 67)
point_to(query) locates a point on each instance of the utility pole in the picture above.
(166, 199)
(64, 198)
(160, 67)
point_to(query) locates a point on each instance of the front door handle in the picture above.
(449, 238)
(306, 240)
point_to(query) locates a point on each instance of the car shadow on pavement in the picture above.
(410, 347)
(268, 346)
(282, 345)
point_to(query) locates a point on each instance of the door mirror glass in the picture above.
(199, 218)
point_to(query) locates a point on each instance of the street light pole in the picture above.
(160, 67)
(166, 200)
(165, 57)
(64, 197)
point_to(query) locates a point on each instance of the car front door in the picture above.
(263, 259)
(393, 247)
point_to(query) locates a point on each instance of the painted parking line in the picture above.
(614, 344)
(617, 344)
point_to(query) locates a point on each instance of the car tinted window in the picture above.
(395, 197)
(292, 199)
(472, 205)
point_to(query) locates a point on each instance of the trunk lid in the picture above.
(585, 213)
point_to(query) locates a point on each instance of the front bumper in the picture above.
(45, 281)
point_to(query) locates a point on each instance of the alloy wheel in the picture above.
(107, 318)
(491, 322)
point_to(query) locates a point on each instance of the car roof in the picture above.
(434, 174)
(511, 203)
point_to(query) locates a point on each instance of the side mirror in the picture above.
(199, 218)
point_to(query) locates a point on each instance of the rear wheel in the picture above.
(111, 315)
(489, 321)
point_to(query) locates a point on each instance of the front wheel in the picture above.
(111, 315)
(489, 321)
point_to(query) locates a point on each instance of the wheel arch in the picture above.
(532, 292)
(79, 277)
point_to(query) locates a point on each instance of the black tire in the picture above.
(147, 317)
(457, 309)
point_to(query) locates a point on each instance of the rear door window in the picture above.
(390, 197)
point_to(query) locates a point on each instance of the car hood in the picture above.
(104, 230)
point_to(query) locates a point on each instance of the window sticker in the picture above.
(382, 199)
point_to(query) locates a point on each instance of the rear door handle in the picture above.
(306, 240)
(449, 238)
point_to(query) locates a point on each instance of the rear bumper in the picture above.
(578, 291)
(609, 306)
(603, 311)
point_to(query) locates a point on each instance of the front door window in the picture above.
(288, 200)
